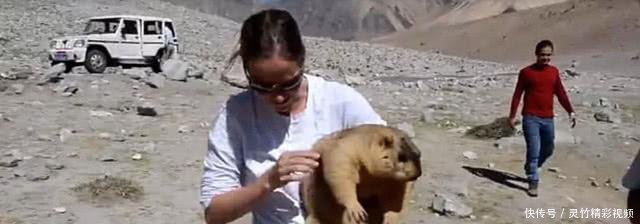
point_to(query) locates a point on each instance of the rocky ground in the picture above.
(62, 131)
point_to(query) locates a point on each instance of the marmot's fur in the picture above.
(365, 174)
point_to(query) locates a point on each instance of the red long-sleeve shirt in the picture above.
(539, 84)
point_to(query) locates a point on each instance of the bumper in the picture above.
(68, 55)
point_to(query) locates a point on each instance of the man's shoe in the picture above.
(533, 189)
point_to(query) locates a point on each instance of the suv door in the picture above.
(151, 37)
(130, 46)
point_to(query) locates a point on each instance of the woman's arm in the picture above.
(234, 204)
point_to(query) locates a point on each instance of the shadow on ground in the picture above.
(500, 177)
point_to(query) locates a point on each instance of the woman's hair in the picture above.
(268, 33)
(543, 44)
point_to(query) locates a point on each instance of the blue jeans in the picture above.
(539, 137)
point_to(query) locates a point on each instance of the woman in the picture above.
(631, 180)
(258, 148)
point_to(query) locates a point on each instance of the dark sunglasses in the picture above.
(290, 85)
(541, 54)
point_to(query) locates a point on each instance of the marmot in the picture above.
(365, 174)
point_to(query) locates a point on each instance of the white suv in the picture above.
(126, 40)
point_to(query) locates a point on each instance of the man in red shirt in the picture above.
(539, 81)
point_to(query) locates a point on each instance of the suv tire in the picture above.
(96, 61)
(157, 61)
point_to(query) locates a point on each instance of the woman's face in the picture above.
(279, 81)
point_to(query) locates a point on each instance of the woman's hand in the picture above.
(291, 166)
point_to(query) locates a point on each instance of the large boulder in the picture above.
(175, 69)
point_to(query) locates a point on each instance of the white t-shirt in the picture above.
(248, 136)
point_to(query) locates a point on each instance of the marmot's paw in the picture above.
(355, 214)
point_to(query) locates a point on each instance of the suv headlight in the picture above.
(78, 43)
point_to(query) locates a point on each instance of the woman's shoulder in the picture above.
(332, 89)
(236, 106)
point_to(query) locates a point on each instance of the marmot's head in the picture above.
(394, 155)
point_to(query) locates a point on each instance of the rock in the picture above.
(175, 69)
(45, 156)
(450, 206)
(104, 136)
(563, 177)
(44, 138)
(184, 129)
(15, 153)
(407, 128)
(354, 80)
(554, 169)
(65, 134)
(618, 187)
(594, 183)
(37, 175)
(491, 165)
(574, 63)
(17, 88)
(18, 173)
(69, 91)
(53, 74)
(572, 72)
(53, 165)
(637, 57)
(136, 156)
(72, 154)
(427, 116)
(195, 74)
(459, 130)
(147, 109)
(604, 102)
(497, 129)
(9, 162)
(60, 210)
(497, 145)
(570, 199)
(602, 117)
(470, 155)
(100, 113)
(107, 159)
(7, 76)
(135, 73)
(155, 81)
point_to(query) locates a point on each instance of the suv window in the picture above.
(170, 26)
(97, 26)
(130, 27)
(152, 27)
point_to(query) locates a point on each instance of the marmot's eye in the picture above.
(386, 142)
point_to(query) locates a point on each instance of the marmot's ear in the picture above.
(385, 141)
